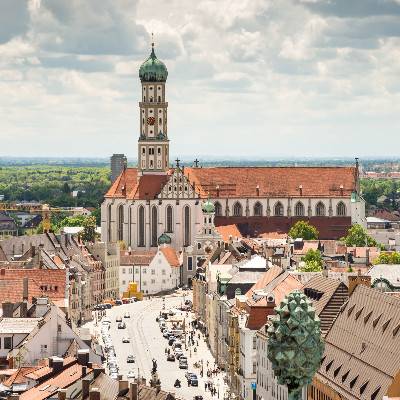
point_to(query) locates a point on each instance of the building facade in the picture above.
(118, 163)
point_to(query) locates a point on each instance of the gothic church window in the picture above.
(121, 222)
(258, 210)
(237, 210)
(141, 239)
(154, 224)
(299, 209)
(218, 209)
(341, 209)
(278, 209)
(109, 223)
(186, 224)
(320, 209)
(169, 218)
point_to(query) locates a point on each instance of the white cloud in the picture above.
(253, 77)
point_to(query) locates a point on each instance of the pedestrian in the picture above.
(205, 386)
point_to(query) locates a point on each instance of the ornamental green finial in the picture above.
(295, 346)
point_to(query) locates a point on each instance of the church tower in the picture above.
(153, 143)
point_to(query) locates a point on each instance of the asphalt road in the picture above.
(147, 342)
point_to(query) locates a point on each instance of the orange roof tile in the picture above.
(137, 257)
(171, 256)
(265, 279)
(50, 386)
(41, 282)
(19, 376)
(243, 181)
(273, 181)
(228, 231)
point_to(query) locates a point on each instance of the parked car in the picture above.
(108, 305)
(166, 334)
(121, 325)
(192, 379)
(131, 375)
(183, 364)
(178, 353)
(170, 357)
(127, 315)
(171, 340)
(118, 302)
(118, 319)
(126, 340)
(130, 359)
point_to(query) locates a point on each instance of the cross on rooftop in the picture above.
(196, 163)
(177, 162)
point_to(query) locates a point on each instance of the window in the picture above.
(136, 270)
(159, 121)
(59, 328)
(198, 246)
(163, 281)
(123, 282)
(299, 209)
(153, 281)
(123, 270)
(186, 224)
(254, 367)
(109, 222)
(254, 343)
(320, 209)
(144, 283)
(278, 209)
(169, 218)
(159, 151)
(163, 272)
(8, 342)
(237, 210)
(154, 224)
(144, 271)
(258, 209)
(190, 264)
(141, 239)
(159, 99)
(218, 209)
(153, 271)
(341, 209)
(130, 271)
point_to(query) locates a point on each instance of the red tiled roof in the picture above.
(273, 181)
(171, 256)
(130, 185)
(265, 279)
(227, 231)
(52, 281)
(243, 182)
(328, 228)
(50, 386)
(137, 257)
(19, 376)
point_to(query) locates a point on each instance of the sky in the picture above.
(247, 78)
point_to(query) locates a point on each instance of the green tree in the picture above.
(312, 261)
(388, 257)
(97, 214)
(89, 229)
(358, 236)
(76, 220)
(304, 230)
(311, 266)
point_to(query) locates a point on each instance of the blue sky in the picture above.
(247, 78)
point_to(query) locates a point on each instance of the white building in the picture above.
(25, 341)
(154, 198)
(153, 271)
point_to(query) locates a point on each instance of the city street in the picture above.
(147, 343)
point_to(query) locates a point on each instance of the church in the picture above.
(156, 203)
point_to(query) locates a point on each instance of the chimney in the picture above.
(25, 283)
(217, 190)
(58, 363)
(83, 356)
(301, 190)
(8, 310)
(258, 190)
(355, 280)
(97, 371)
(23, 310)
(62, 394)
(94, 394)
(122, 385)
(133, 391)
(85, 388)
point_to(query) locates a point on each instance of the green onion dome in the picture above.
(208, 207)
(164, 239)
(153, 70)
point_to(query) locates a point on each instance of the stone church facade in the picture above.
(155, 203)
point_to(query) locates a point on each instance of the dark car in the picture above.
(170, 357)
(121, 325)
(130, 359)
(198, 397)
(171, 340)
(194, 381)
(118, 319)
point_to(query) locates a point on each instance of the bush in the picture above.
(304, 230)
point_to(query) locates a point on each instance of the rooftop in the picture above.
(18, 325)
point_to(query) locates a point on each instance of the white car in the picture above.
(131, 375)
